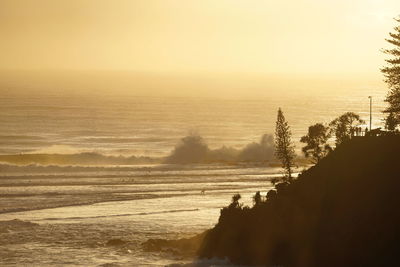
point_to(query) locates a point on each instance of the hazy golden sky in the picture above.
(282, 36)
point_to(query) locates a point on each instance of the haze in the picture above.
(265, 42)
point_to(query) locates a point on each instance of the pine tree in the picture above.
(284, 149)
(392, 76)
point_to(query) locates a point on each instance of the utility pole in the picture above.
(370, 113)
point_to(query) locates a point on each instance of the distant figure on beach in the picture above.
(203, 192)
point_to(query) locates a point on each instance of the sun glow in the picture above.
(306, 36)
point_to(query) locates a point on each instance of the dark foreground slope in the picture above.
(342, 212)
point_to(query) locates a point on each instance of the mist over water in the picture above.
(152, 126)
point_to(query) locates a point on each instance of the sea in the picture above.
(56, 213)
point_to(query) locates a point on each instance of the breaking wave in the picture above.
(85, 158)
(194, 149)
(190, 149)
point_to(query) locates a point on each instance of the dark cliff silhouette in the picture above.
(341, 212)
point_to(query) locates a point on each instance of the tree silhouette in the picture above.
(235, 201)
(345, 126)
(315, 140)
(391, 122)
(392, 77)
(284, 148)
(257, 199)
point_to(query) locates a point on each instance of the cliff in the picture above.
(342, 212)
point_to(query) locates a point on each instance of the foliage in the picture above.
(391, 122)
(257, 198)
(392, 77)
(284, 148)
(316, 142)
(235, 201)
(345, 126)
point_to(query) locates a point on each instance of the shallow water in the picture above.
(171, 205)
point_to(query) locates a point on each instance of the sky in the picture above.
(313, 38)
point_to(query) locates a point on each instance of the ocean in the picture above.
(152, 126)
(73, 209)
